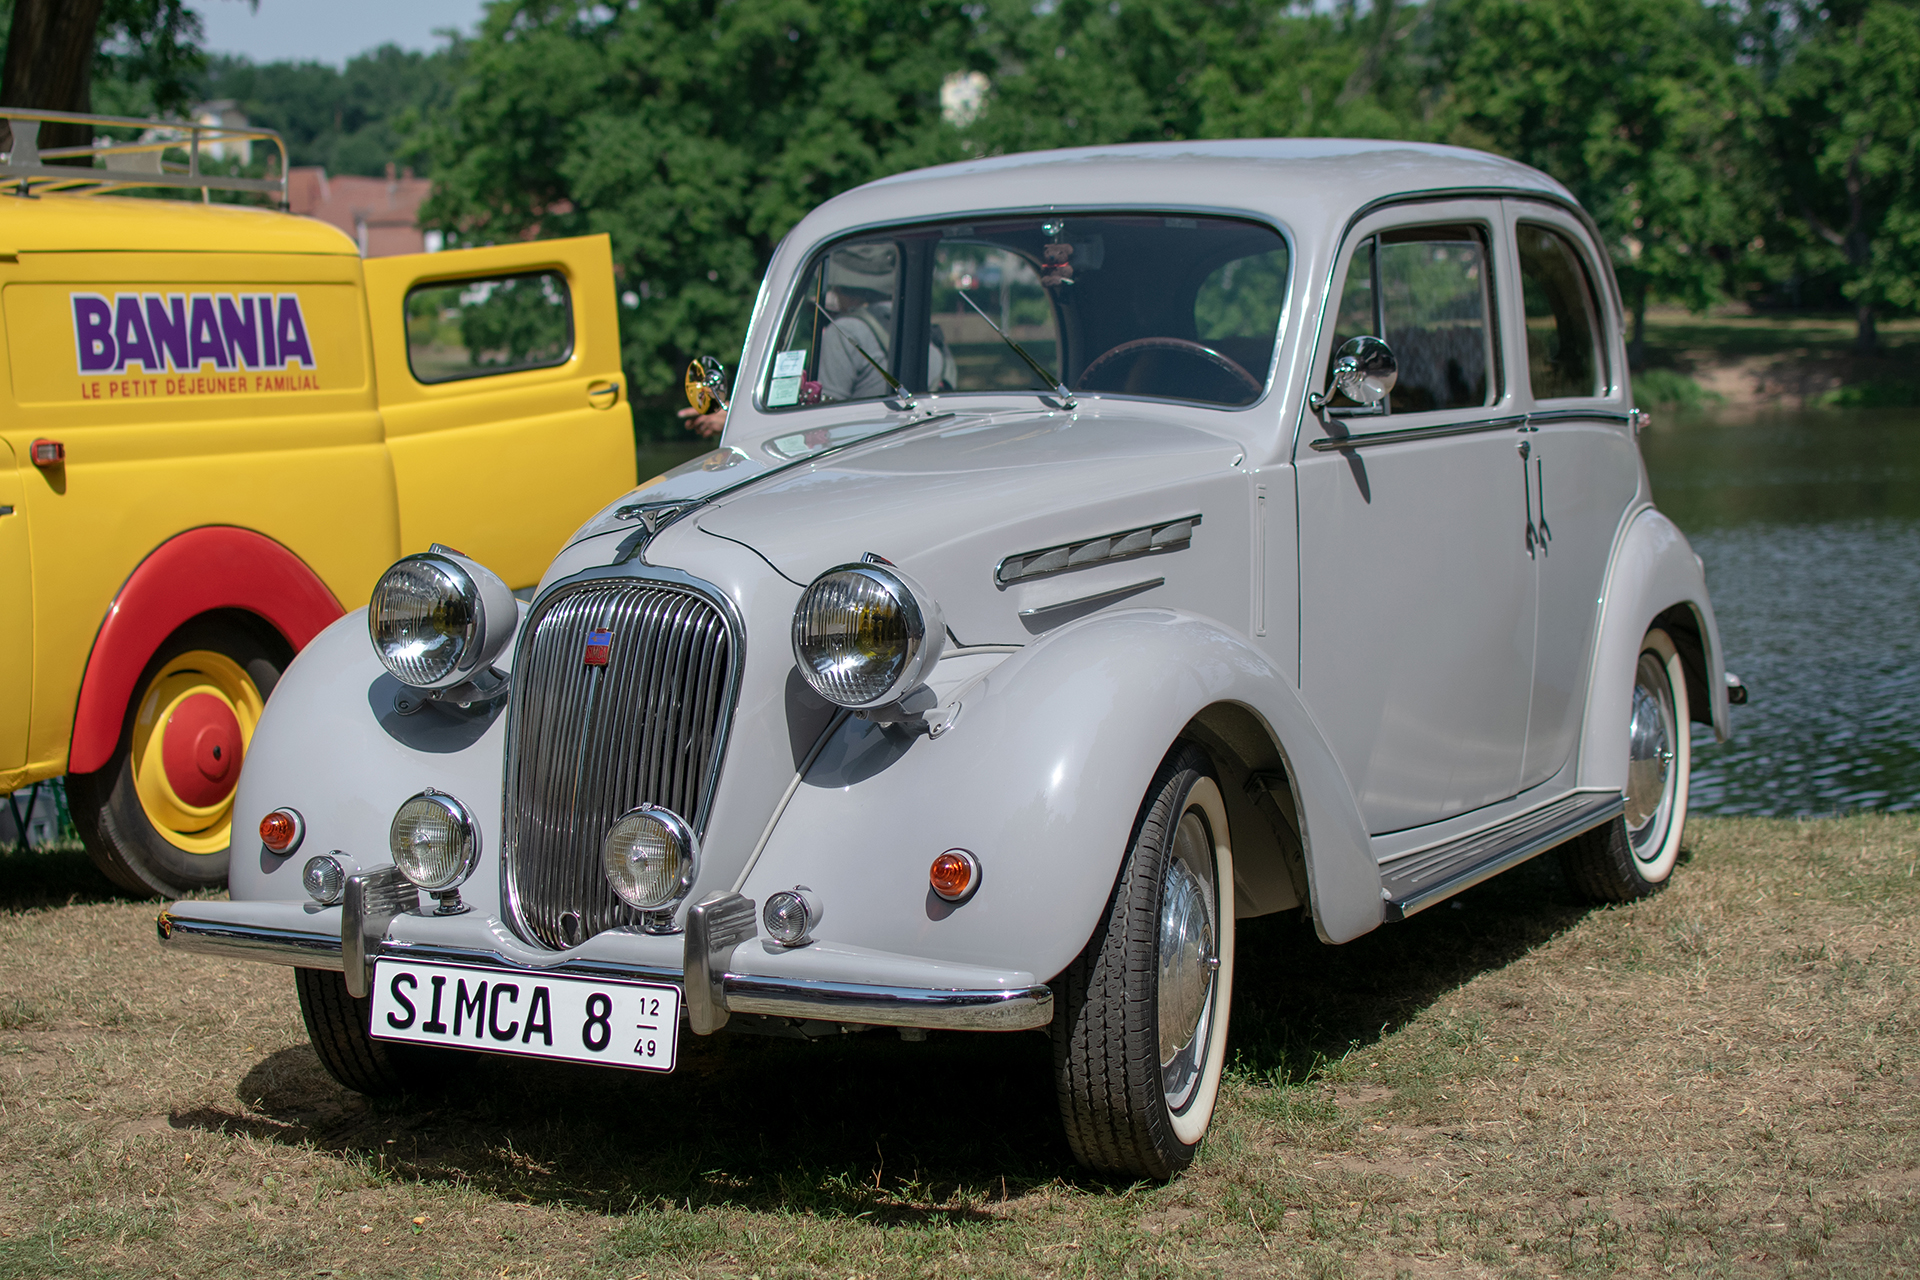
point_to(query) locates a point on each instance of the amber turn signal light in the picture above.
(954, 875)
(281, 830)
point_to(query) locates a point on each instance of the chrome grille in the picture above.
(588, 743)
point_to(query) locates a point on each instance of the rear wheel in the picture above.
(1141, 1034)
(337, 1027)
(1635, 854)
(158, 817)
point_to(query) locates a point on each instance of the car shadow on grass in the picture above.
(867, 1124)
(56, 875)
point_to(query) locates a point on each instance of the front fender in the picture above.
(334, 745)
(1041, 776)
(1654, 571)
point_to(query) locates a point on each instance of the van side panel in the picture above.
(201, 570)
(189, 389)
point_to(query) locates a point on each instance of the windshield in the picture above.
(1167, 307)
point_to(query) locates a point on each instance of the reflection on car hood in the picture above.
(948, 499)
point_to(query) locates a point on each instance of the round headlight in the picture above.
(650, 855)
(791, 916)
(325, 879)
(433, 841)
(865, 635)
(437, 618)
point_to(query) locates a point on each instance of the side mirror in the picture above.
(706, 382)
(1364, 371)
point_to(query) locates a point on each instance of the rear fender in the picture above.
(1655, 579)
(196, 572)
(1041, 776)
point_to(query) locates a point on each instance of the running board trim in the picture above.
(1435, 874)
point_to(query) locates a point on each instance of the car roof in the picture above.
(55, 223)
(1304, 182)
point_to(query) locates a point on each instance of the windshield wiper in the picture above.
(900, 393)
(1059, 387)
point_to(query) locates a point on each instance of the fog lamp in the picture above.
(791, 916)
(281, 831)
(434, 842)
(325, 879)
(650, 855)
(955, 875)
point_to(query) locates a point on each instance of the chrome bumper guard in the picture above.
(285, 933)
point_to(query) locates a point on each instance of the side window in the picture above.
(1564, 356)
(1428, 292)
(496, 324)
(1007, 286)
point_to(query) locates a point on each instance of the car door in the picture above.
(499, 379)
(1585, 468)
(1416, 583)
(16, 620)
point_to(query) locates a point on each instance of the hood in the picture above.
(949, 501)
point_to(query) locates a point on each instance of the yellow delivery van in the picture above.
(219, 426)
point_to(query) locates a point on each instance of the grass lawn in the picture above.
(1718, 1081)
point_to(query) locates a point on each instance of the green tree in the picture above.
(143, 55)
(355, 119)
(1639, 107)
(1842, 117)
(694, 132)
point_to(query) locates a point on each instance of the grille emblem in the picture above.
(599, 647)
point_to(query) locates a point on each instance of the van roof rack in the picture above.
(120, 165)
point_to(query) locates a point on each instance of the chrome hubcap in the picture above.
(1650, 746)
(1186, 963)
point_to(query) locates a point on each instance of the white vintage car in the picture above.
(1103, 546)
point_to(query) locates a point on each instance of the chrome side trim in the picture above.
(249, 942)
(1107, 548)
(1332, 444)
(948, 1009)
(1418, 880)
(1581, 415)
(1097, 598)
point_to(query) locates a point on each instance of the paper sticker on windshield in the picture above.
(790, 364)
(782, 392)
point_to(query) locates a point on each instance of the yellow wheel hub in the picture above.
(190, 735)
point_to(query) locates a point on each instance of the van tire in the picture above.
(242, 659)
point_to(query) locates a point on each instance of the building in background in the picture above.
(381, 214)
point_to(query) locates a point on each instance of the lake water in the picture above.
(1809, 524)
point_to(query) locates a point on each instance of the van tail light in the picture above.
(49, 453)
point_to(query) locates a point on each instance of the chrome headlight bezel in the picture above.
(466, 841)
(923, 635)
(678, 830)
(464, 588)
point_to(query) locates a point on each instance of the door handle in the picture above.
(1535, 543)
(603, 394)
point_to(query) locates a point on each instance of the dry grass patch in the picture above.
(1716, 1081)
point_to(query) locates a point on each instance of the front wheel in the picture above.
(158, 817)
(338, 1028)
(1635, 854)
(1141, 1035)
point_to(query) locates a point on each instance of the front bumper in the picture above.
(724, 969)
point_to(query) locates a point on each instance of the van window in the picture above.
(489, 325)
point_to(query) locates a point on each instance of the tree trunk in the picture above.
(1865, 336)
(1637, 344)
(49, 65)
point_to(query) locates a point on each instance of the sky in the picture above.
(328, 30)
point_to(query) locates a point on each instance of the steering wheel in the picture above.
(1226, 364)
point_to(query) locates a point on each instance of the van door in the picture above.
(16, 621)
(499, 379)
